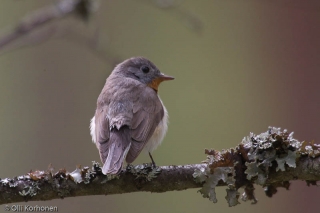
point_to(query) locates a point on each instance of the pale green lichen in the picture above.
(30, 190)
(9, 182)
(252, 170)
(268, 147)
(146, 171)
(311, 149)
(273, 149)
(290, 160)
(232, 196)
(200, 175)
(226, 174)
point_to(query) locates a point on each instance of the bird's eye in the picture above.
(145, 69)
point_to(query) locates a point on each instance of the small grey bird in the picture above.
(130, 115)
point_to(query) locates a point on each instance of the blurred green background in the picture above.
(240, 66)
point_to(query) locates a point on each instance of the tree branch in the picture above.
(42, 185)
(270, 159)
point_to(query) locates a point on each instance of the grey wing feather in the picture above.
(147, 114)
(113, 144)
(119, 145)
(102, 133)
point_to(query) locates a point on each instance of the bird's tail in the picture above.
(116, 150)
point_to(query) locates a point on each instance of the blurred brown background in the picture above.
(240, 66)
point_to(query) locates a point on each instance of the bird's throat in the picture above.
(155, 84)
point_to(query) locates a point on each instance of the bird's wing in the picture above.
(147, 114)
(102, 132)
(113, 136)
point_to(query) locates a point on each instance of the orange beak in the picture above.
(156, 82)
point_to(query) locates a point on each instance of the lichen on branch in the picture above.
(270, 159)
(254, 161)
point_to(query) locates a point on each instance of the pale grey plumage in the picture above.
(128, 114)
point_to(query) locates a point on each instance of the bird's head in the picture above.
(143, 70)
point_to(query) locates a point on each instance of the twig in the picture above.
(44, 16)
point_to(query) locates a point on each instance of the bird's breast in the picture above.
(159, 133)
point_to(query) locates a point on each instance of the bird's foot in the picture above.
(152, 161)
